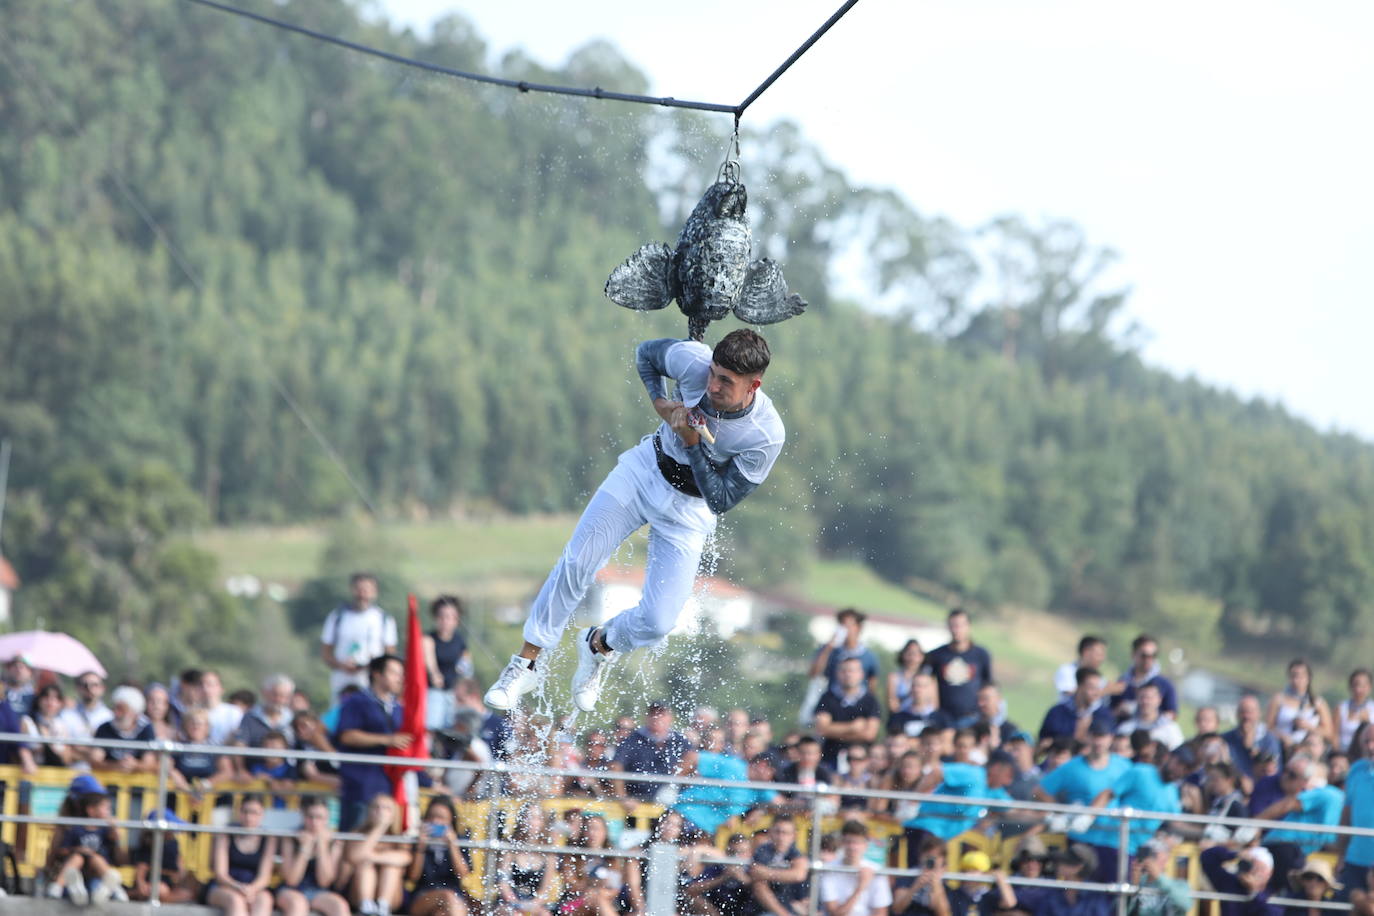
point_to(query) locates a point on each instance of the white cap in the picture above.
(1260, 855)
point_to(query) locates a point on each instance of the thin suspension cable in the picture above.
(167, 242)
(796, 56)
(522, 85)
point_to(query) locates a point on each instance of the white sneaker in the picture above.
(55, 890)
(517, 679)
(117, 891)
(76, 887)
(102, 893)
(591, 667)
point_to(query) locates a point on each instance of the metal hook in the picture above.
(730, 168)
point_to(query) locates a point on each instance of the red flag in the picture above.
(412, 714)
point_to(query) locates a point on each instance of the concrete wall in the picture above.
(42, 906)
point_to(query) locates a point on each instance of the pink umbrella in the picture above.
(50, 652)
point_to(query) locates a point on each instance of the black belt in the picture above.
(679, 476)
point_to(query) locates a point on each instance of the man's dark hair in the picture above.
(192, 677)
(859, 616)
(958, 612)
(1141, 640)
(446, 601)
(807, 739)
(1225, 770)
(742, 351)
(1082, 674)
(1140, 740)
(784, 819)
(361, 577)
(1087, 642)
(854, 828)
(246, 697)
(932, 845)
(378, 664)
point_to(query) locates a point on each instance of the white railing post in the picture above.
(660, 897)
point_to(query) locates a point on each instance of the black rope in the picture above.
(526, 86)
(796, 55)
(520, 85)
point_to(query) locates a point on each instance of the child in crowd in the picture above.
(83, 860)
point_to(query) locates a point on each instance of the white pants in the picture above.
(633, 494)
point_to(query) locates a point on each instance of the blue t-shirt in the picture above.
(1062, 719)
(707, 807)
(1321, 805)
(364, 712)
(639, 753)
(1142, 788)
(843, 653)
(947, 820)
(1359, 798)
(960, 674)
(1077, 783)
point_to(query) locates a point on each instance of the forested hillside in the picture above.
(417, 265)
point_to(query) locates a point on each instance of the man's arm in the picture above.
(723, 487)
(651, 362)
(865, 729)
(1277, 811)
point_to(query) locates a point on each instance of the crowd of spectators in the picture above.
(938, 725)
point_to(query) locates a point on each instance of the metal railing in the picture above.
(661, 882)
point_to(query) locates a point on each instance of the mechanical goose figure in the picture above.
(710, 274)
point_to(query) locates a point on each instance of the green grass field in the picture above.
(505, 558)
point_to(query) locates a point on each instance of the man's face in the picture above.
(989, 702)
(18, 672)
(783, 834)
(1022, 751)
(851, 673)
(924, 690)
(1094, 656)
(1101, 745)
(854, 848)
(1147, 702)
(364, 592)
(729, 391)
(738, 721)
(959, 628)
(212, 688)
(394, 677)
(1145, 656)
(1090, 691)
(1000, 775)
(1207, 721)
(659, 721)
(623, 726)
(809, 755)
(91, 687)
(963, 747)
(278, 696)
(1248, 711)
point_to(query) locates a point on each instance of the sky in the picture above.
(1225, 150)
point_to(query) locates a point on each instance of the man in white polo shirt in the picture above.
(860, 893)
(354, 634)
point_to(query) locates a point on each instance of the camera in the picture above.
(436, 830)
(1245, 866)
(928, 863)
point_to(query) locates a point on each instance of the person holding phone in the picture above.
(439, 865)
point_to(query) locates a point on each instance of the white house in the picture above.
(617, 588)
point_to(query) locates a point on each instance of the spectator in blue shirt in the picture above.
(960, 668)
(1079, 782)
(1307, 799)
(969, 780)
(846, 645)
(1356, 854)
(1075, 715)
(370, 723)
(1144, 670)
(655, 748)
(705, 808)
